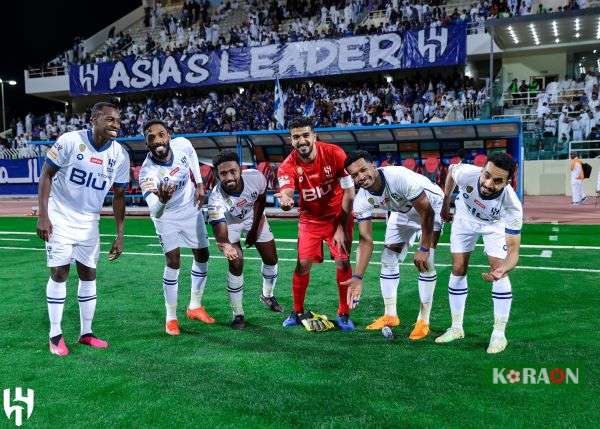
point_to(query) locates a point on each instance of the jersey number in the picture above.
(315, 193)
(81, 177)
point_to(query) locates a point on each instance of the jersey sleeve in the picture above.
(194, 163)
(286, 175)
(361, 208)
(60, 153)
(147, 183)
(216, 207)
(261, 182)
(346, 181)
(462, 172)
(512, 213)
(122, 174)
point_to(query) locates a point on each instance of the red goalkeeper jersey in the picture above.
(320, 182)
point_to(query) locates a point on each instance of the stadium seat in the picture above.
(480, 160)
(410, 163)
(432, 169)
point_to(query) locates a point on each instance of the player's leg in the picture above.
(56, 294)
(170, 289)
(198, 281)
(268, 253)
(495, 247)
(427, 282)
(235, 287)
(462, 242)
(86, 295)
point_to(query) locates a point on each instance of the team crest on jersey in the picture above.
(469, 189)
(328, 171)
(396, 196)
(184, 160)
(371, 201)
(58, 146)
(82, 147)
(254, 194)
(111, 162)
(299, 170)
(96, 161)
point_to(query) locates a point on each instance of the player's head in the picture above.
(302, 136)
(361, 168)
(229, 172)
(496, 174)
(158, 138)
(106, 120)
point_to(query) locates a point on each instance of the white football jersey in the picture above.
(85, 175)
(472, 205)
(401, 187)
(237, 208)
(177, 171)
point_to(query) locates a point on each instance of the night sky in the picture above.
(34, 32)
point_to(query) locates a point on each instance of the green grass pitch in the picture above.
(268, 376)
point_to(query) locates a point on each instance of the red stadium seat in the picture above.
(432, 169)
(480, 160)
(454, 160)
(410, 163)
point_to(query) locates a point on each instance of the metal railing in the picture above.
(586, 147)
(529, 97)
(47, 71)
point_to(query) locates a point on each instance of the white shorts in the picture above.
(400, 227)
(188, 232)
(465, 233)
(64, 247)
(236, 231)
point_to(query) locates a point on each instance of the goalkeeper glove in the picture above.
(314, 322)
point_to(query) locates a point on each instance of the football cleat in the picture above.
(344, 323)
(271, 302)
(199, 314)
(172, 327)
(292, 320)
(59, 349)
(420, 331)
(498, 343)
(93, 341)
(238, 322)
(384, 321)
(450, 335)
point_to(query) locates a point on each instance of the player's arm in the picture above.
(340, 237)
(423, 207)
(44, 226)
(195, 167)
(119, 213)
(448, 190)
(257, 220)
(363, 256)
(219, 228)
(286, 177)
(513, 244)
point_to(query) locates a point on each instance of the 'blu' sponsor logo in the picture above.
(81, 177)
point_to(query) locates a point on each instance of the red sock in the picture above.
(342, 274)
(299, 285)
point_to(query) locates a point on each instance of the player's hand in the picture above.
(165, 192)
(251, 237)
(44, 228)
(494, 275)
(354, 291)
(446, 214)
(116, 249)
(229, 251)
(199, 196)
(285, 201)
(339, 239)
(420, 261)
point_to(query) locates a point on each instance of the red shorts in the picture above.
(311, 236)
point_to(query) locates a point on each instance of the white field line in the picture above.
(543, 254)
(14, 239)
(293, 240)
(252, 258)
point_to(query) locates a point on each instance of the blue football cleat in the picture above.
(344, 323)
(292, 320)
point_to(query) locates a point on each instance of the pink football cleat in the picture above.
(59, 349)
(92, 341)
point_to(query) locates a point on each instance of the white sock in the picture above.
(86, 295)
(269, 273)
(199, 271)
(502, 297)
(389, 278)
(427, 282)
(457, 295)
(170, 286)
(56, 293)
(235, 287)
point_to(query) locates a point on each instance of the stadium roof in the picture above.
(561, 29)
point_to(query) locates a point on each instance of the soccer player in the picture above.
(486, 206)
(80, 169)
(415, 204)
(316, 170)
(175, 204)
(236, 207)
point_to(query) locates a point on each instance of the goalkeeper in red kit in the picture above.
(316, 170)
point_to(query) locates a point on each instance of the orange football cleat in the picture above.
(200, 314)
(383, 321)
(420, 331)
(172, 327)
